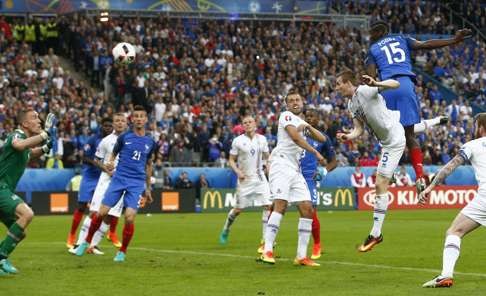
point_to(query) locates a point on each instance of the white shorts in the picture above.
(253, 193)
(98, 196)
(287, 184)
(476, 210)
(391, 154)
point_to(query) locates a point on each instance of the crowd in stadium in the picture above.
(198, 77)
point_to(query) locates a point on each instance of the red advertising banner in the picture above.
(442, 197)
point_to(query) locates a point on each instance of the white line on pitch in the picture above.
(199, 253)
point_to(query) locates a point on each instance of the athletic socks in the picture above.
(452, 249)
(304, 229)
(273, 225)
(93, 227)
(84, 230)
(265, 216)
(113, 223)
(99, 234)
(14, 235)
(128, 231)
(316, 228)
(229, 220)
(425, 124)
(381, 205)
(416, 158)
(77, 216)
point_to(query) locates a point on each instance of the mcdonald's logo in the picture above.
(212, 196)
(343, 197)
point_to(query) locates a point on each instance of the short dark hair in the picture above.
(379, 25)
(22, 115)
(312, 110)
(347, 75)
(292, 91)
(139, 108)
(106, 119)
(480, 118)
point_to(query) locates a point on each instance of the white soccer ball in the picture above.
(124, 53)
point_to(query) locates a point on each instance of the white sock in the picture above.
(229, 220)
(265, 216)
(425, 124)
(273, 225)
(305, 230)
(452, 248)
(99, 234)
(381, 204)
(84, 230)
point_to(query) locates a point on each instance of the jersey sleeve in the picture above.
(101, 150)
(370, 59)
(287, 118)
(152, 150)
(410, 42)
(327, 149)
(119, 144)
(369, 92)
(234, 147)
(265, 145)
(90, 147)
(466, 152)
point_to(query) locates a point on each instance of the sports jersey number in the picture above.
(384, 158)
(394, 53)
(136, 155)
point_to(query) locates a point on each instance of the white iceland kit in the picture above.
(254, 189)
(368, 106)
(104, 150)
(475, 152)
(286, 180)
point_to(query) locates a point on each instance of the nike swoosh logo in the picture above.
(128, 143)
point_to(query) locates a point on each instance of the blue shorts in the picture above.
(130, 190)
(87, 188)
(404, 99)
(311, 184)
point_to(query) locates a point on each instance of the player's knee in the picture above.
(236, 211)
(456, 230)
(27, 214)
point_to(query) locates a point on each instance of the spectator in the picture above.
(201, 184)
(183, 181)
(371, 180)
(403, 178)
(358, 178)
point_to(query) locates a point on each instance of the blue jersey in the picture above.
(90, 171)
(134, 153)
(308, 163)
(391, 55)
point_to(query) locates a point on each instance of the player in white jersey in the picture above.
(287, 185)
(368, 107)
(471, 216)
(248, 159)
(103, 152)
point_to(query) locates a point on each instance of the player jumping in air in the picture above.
(287, 185)
(368, 107)
(90, 176)
(20, 146)
(391, 55)
(474, 214)
(130, 180)
(314, 173)
(251, 151)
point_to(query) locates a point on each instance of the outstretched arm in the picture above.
(302, 143)
(441, 175)
(356, 132)
(438, 43)
(386, 84)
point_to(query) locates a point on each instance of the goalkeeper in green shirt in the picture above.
(21, 145)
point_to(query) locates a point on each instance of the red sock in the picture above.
(93, 227)
(417, 161)
(77, 217)
(113, 224)
(316, 228)
(128, 231)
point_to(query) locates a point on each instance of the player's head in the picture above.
(119, 122)
(378, 29)
(139, 117)
(346, 83)
(249, 124)
(312, 117)
(29, 121)
(294, 101)
(106, 126)
(480, 125)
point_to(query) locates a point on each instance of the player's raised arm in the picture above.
(438, 43)
(302, 143)
(31, 118)
(441, 175)
(386, 84)
(315, 134)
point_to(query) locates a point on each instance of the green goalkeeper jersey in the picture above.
(13, 162)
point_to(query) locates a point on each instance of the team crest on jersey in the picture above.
(288, 118)
(147, 148)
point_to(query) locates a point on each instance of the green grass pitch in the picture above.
(178, 254)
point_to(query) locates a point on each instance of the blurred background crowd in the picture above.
(197, 78)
